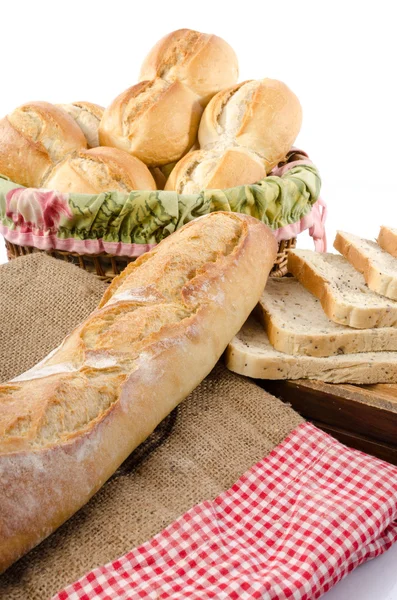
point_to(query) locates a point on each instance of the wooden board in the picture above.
(363, 417)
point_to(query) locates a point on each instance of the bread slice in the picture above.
(378, 266)
(387, 240)
(296, 324)
(342, 291)
(250, 353)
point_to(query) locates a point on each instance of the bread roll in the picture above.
(205, 63)
(99, 170)
(87, 116)
(153, 120)
(264, 116)
(68, 423)
(204, 169)
(33, 138)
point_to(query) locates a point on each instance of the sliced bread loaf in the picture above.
(295, 323)
(250, 353)
(342, 291)
(378, 266)
(387, 240)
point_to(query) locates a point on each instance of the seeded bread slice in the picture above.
(250, 353)
(342, 291)
(295, 323)
(387, 240)
(378, 266)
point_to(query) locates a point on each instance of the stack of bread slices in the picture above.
(335, 320)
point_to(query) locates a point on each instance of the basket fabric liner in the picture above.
(130, 224)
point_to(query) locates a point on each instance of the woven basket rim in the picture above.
(107, 266)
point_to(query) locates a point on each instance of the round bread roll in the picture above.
(99, 170)
(33, 138)
(87, 116)
(153, 120)
(263, 115)
(205, 169)
(203, 62)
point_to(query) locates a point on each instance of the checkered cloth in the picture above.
(291, 527)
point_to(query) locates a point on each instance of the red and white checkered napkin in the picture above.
(291, 527)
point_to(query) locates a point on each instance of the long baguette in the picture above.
(68, 423)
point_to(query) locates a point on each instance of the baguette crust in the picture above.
(33, 138)
(67, 424)
(387, 240)
(250, 354)
(340, 311)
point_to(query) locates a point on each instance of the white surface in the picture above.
(338, 57)
(375, 580)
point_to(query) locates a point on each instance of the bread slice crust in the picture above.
(333, 284)
(387, 240)
(378, 267)
(295, 323)
(251, 354)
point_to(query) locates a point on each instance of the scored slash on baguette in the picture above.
(251, 354)
(342, 291)
(378, 267)
(295, 323)
(387, 240)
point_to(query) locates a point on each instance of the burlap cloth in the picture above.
(41, 301)
(224, 427)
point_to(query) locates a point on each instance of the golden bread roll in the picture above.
(264, 116)
(99, 170)
(69, 422)
(206, 169)
(205, 63)
(153, 120)
(87, 116)
(33, 138)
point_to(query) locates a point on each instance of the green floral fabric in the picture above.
(147, 217)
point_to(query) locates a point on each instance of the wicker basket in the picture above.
(107, 266)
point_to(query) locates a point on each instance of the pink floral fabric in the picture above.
(36, 209)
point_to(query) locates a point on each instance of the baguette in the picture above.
(387, 240)
(251, 354)
(68, 423)
(378, 267)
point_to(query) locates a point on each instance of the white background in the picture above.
(340, 58)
